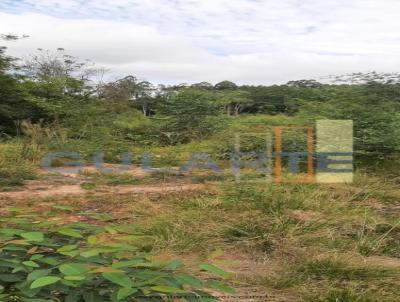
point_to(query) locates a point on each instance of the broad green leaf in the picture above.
(125, 292)
(72, 269)
(18, 269)
(118, 278)
(33, 236)
(36, 257)
(90, 253)
(14, 248)
(25, 290)
(69, 283)
(74, 278)
(11, 265)
(44, 281)
(10, 278)
(70, 254)
(67, 248)
(213, 269)
(49, 260)
(9, 262)
(38, 274)
(30, 263)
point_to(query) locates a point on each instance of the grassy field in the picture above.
(287, 242)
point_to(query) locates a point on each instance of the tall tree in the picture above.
(225, 85)
(189, 115)
(142, 94)
(234, 102)
(57, 74)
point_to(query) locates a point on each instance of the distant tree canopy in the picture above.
(225, 85)
(142, 94)
(203, 85)
(304, 84)
(54, 86)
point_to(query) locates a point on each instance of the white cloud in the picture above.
(247, 41)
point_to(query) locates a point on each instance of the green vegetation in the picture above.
(109, 236)
(304, 242)
(85, 262)
(55, 90)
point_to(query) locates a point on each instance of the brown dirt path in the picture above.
(37, 191)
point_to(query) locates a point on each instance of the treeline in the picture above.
(51, 86)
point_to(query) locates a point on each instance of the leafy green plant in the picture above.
(41, 260)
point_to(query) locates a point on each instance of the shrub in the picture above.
(14, 169)
(190, 115)
(43, 261)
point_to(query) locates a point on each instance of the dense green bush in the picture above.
(14, 167)
(189, 115)
(376, 123)
(41, 260)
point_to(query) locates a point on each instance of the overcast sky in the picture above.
(246, 41)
